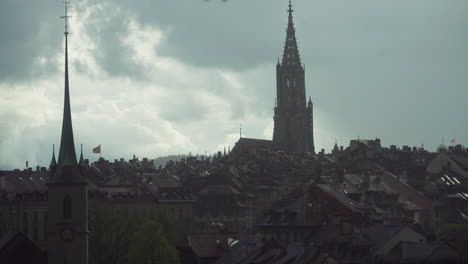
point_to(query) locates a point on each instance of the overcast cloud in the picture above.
(152, 78)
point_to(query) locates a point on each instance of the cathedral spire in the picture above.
(291, 52)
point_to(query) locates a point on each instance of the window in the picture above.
(45, 224)
(67, 207)
(36, 226)
(25, 223)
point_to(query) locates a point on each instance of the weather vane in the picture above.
(66, 16)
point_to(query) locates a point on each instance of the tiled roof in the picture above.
(341, 197)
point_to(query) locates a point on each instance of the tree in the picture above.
(112, 228)
(456, 234)
(110, 233)
(150, 246)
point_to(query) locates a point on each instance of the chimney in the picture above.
(341, 148)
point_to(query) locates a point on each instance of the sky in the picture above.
(151, 77)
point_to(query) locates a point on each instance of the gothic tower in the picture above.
(293, 119)
(67, 223)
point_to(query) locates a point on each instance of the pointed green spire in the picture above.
(67, 154)
(67, 167)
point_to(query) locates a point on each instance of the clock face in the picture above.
(67, 234)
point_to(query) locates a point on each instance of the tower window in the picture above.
(25, 223)
(67, 207)
(36, 225)
(45, 223)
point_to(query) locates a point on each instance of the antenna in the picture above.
(66, 16)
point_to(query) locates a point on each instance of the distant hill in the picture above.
(163, 160)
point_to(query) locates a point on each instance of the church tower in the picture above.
(67, 223)
(293, 119)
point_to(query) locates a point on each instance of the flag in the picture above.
(97, 149)
(453, 140)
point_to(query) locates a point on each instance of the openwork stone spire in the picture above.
(291, 52)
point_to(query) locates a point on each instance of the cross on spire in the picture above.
(290, 9)
(66, 17)
(291, 52)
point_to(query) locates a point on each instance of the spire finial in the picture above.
(290, 9)
(53, 149)
(81, 149)
(240, 130)
(66, 16)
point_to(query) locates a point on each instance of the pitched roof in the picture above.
(218, 190)
(249, 143)
(341, 197)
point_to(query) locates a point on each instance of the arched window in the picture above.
(67, 207)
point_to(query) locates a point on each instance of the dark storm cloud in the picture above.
(236, 34)
(391, 69)
(28, 30)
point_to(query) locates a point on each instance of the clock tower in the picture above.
(67, 223)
